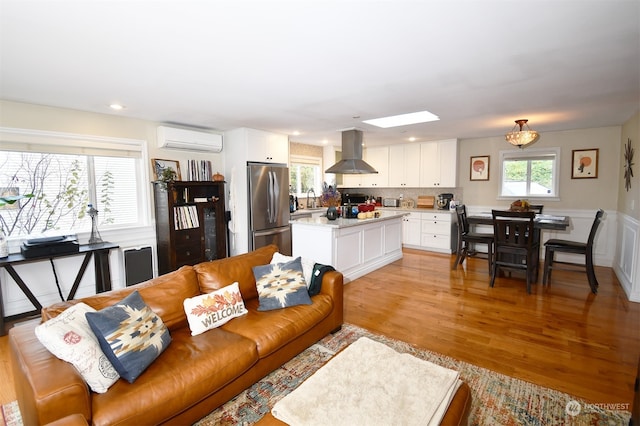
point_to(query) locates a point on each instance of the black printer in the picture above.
(50, 246)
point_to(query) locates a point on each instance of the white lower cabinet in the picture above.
(373, 243)
(392, 237)
(438, 232)
(430, 230)
(411, 225)
(354, 249)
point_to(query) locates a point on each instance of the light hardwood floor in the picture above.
(562, 336)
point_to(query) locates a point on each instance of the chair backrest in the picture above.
(513, 229)
(594, 228)
(536, 208)
(463, 224)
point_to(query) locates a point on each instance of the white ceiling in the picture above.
(312, 66)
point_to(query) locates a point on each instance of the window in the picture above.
(305, 173)
(529, 174)
(65, 173)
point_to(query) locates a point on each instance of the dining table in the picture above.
(540, 222)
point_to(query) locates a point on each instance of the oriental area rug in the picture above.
(497, 399)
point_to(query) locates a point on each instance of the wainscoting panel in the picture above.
(627, 264)
(579, 228)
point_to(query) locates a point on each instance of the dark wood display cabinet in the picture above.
(190, 223)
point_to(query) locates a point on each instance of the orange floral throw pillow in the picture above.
(211, 310)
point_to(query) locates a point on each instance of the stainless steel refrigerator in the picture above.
(269, 206)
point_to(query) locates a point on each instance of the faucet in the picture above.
(311, 204)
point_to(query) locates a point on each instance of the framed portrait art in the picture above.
(159, 166)
(584, 163)
(479, 168)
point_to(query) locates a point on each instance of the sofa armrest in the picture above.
(47, 388)
(333, 285)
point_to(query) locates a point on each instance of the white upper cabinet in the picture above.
(378, 158)
(404, 165)
(267, 147)
(438, 164)
(414, 165)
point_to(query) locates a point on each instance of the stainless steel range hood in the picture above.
(351, 163)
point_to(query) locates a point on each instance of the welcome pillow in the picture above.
(69, 337)
(211, 310)
(281, 285)
(130, 334)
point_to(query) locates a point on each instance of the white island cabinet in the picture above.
(354, 247)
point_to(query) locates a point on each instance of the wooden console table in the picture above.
(102, 272)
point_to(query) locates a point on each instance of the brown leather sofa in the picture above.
(195, 374)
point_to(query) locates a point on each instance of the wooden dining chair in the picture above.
(566, 246)
(515, 244)
(466, 239)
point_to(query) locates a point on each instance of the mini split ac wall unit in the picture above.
(191, 140)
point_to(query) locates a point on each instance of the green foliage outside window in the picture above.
(56, 192)
(531, 173)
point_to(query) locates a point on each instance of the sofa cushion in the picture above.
(69, 337)
(131, 335)
(271, 330)
(192, 368)
(222, 272)
(211, 310)
(307, 265)
(164, 295)
(281, 285)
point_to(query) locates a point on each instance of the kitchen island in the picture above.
(354, 247)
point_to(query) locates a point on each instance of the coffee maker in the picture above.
(444, 200)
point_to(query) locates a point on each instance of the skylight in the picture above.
(403, 119)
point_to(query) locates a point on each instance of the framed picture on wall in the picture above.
(584, 163)
(159, 166)
(479, 168)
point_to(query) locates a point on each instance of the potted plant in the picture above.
(167, 175)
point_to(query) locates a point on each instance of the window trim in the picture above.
(30, 140)
(308, 161)
(530, 154)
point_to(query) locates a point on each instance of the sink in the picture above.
(301, 213)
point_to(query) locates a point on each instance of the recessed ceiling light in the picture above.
(116, 107)
(412, 139)
(403, 119)
(296, 133)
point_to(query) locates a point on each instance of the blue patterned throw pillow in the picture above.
(130, 334)
(281, 285)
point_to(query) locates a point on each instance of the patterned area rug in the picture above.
(497, 399)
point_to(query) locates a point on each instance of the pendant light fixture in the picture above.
(520, 137)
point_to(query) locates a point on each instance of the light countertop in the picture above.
(416, 210)
(344, 223)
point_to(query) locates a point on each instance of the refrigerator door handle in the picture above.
(276, 198)
(271, 232)
(270, 197)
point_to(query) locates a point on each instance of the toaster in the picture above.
(390, 202)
